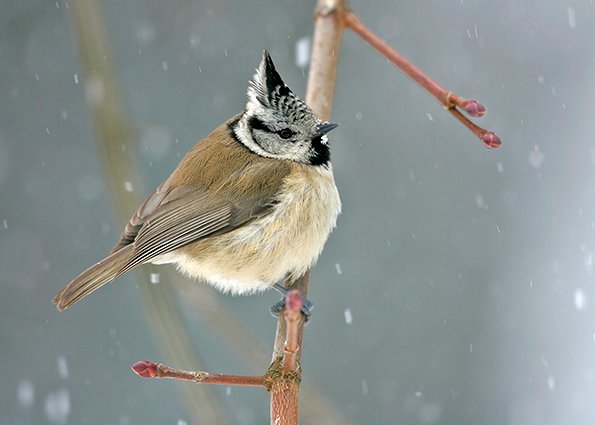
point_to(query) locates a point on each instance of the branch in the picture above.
(293, 316)
(448, 99)
(147, 369)
(328, 31)
(251, 351)
(282, 378)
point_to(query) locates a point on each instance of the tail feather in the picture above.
(93, 278)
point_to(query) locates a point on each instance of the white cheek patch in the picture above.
(324, 139)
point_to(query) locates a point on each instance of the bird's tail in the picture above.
(93, 278)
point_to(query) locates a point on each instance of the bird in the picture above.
(249, 205)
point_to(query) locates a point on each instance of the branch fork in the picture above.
(451, 102)
(282, 371)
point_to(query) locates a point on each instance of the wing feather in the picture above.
(175, 232)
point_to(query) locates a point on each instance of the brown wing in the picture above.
(172, 218)
(188, 219)
(137, 220)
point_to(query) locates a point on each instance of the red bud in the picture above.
(145, 369)
(490, 140)
(474, 108)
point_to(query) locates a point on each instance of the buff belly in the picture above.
(287, 241)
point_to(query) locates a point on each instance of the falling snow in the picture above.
(580, 300)
(182, 422)
(429, 413)
(94, 90)
(551, 383)
(26, 394)
(481, 202)
(589, 263)
(144, 32)
(338, 268)
(128, 186)
(302, 52)
(57, 406)
(364, 387)
(155, 277)
(348, 316)
(536, 158)
(571, 17)
(62, 367)
(76, 78)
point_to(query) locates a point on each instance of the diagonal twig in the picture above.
(448, 99)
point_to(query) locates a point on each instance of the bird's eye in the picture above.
(286, 133)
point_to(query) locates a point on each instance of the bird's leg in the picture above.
(278, 307)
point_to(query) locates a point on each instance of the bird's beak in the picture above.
(324, 127)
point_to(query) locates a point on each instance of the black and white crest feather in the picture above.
(266, 84)
(278, 124)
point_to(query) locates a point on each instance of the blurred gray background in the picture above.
(458, 287)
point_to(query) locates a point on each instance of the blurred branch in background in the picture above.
(116, 147)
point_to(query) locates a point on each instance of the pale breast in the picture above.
(287, 241)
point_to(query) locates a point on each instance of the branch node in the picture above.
(277, 374)
(325, 8)
(200, 376)
(448, 102)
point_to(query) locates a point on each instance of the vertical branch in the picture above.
(116, 153)
(328, 30)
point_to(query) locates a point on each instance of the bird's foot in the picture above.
(278, 307)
